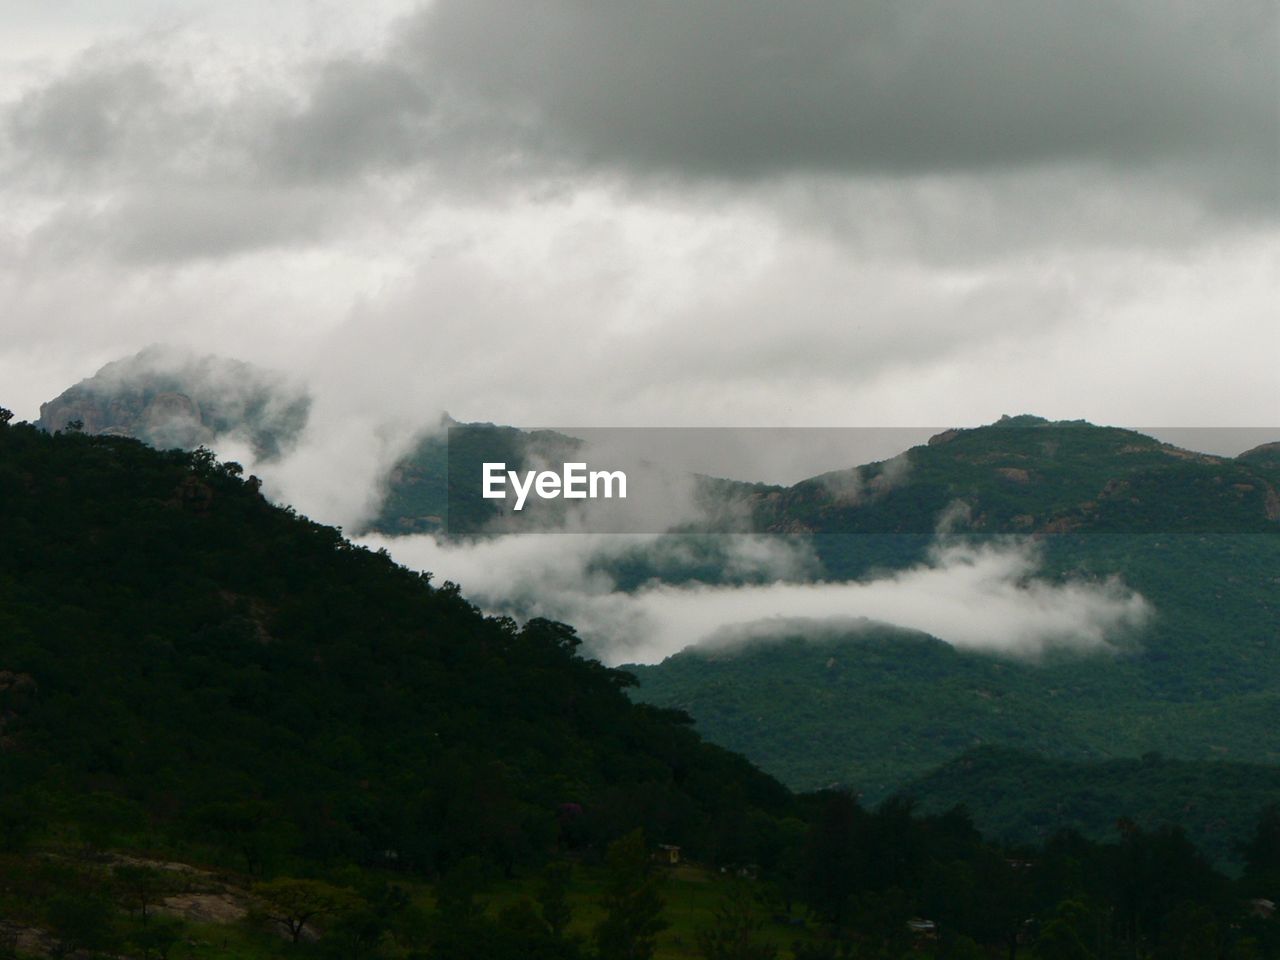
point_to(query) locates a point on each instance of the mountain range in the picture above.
(878, 708)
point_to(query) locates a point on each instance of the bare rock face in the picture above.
(217, 907)
(169, 399)
(173, 420)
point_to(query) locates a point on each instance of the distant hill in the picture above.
(422, 498)
(1021, 475)
(1019, 798)
(1030, 475)
(170, 399)
(1196, 535)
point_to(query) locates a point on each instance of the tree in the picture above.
(833, 864)
(19, 819)
(1063, 938)
(356, 933)
(1262, 854)
(880, 919)
(140, 888)
(295, 903)
(457, 892)
(247, 826)
(633, 906)
(553, 899)
(80, 922)
(459, 926)
(521, 934)
(157, 937)
(5, 415)
(733, 933)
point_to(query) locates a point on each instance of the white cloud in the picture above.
(985, 598)
(289, 186)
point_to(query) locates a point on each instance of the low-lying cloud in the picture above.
(984, 597)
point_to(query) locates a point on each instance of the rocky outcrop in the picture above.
(169, 399)
(946, 436)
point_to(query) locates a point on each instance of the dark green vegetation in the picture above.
(1025, 799)
(359, 764)
(173, 643)
(878, 709)
(1267, 456)
(1195, 535)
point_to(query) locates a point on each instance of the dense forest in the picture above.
(225, 731)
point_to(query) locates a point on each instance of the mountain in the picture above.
(220, 721)
(171, 399)
(877, 709)
(1021, 475)
(1029, 475)
(184, 665)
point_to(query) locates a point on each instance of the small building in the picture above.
(922, 929)
(667, 853)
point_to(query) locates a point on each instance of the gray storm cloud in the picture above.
(702, 213)
(979, 597)
(734, 88)
(471, 96)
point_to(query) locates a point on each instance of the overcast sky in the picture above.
(694, 212)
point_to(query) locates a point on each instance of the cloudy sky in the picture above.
(712, 212)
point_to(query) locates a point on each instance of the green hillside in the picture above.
(1025, 799)
(1029, 475)
(181, 659)
(877, 709)
(226, 732)
(1194, 534)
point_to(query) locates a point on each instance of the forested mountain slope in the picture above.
(1195, 535)
(179, 656)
